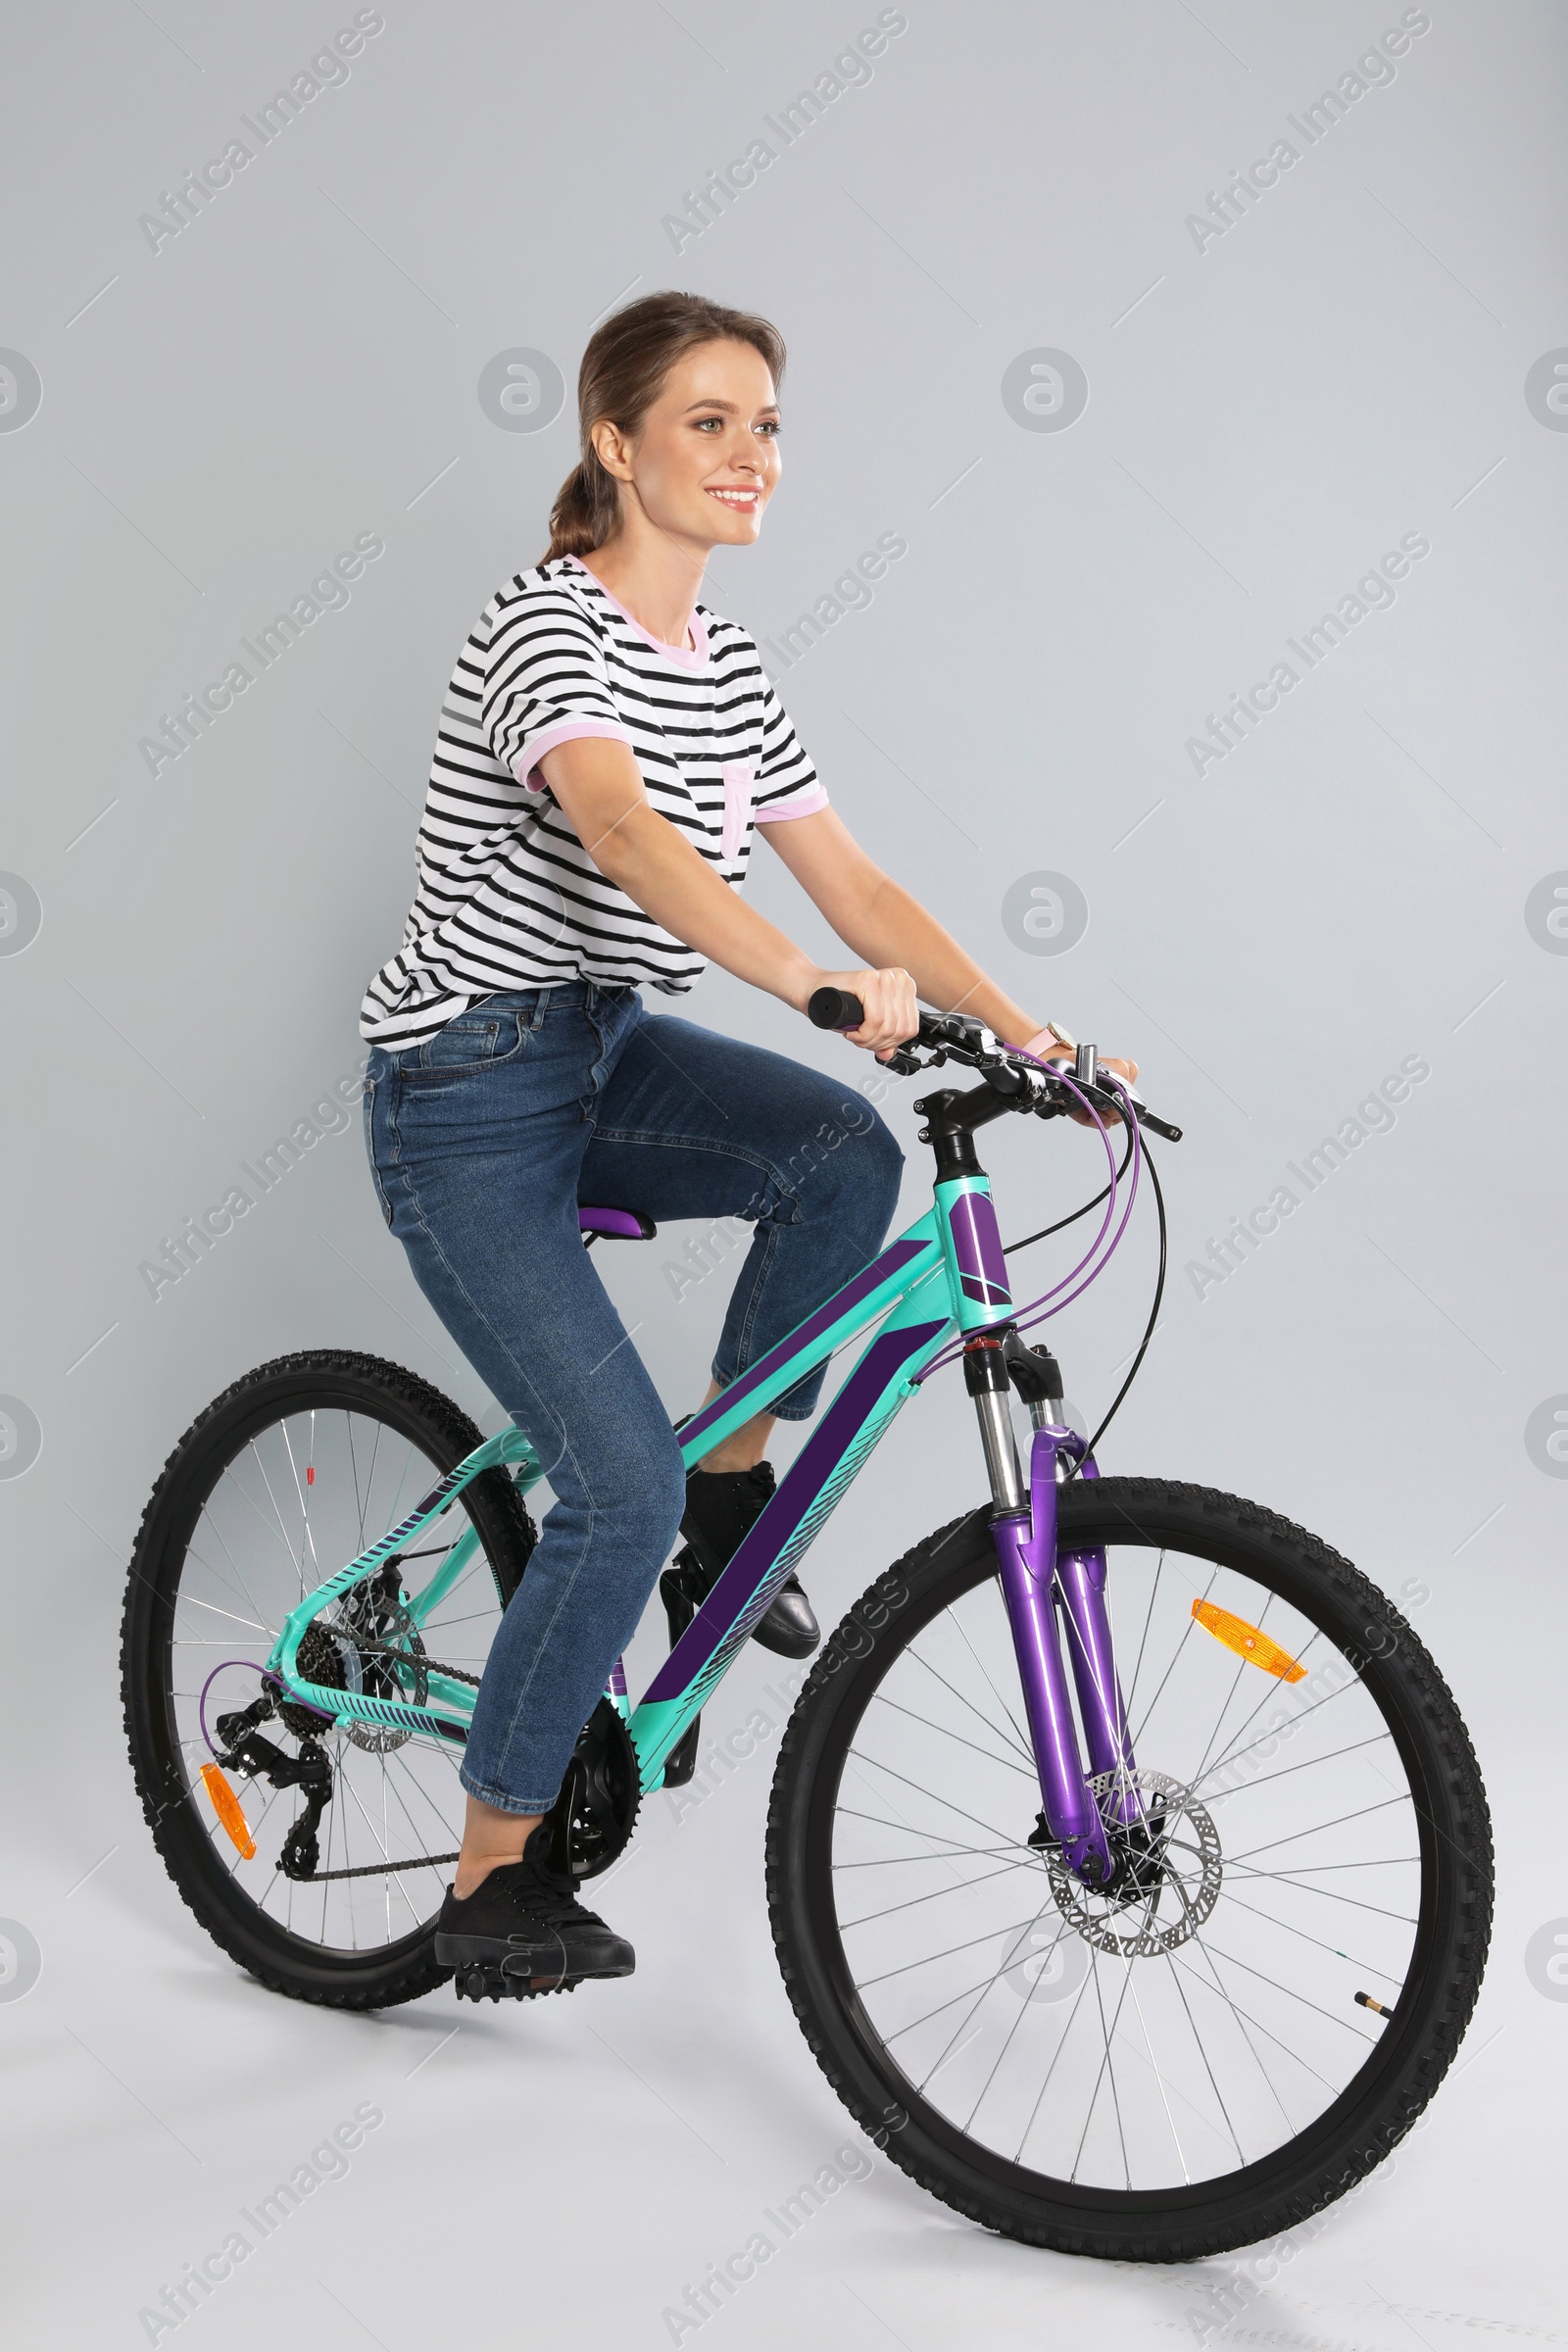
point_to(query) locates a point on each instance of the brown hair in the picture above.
(622, 373)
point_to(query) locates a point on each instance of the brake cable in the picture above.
(1108, 1192)
(1045, 1231)
(1149, 1327)
(1135, 1145)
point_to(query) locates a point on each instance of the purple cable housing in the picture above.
(1027, 1317)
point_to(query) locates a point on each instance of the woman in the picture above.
(608, 751)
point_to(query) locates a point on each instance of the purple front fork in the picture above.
(1026, 1551)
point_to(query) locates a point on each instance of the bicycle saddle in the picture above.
(616, 1224)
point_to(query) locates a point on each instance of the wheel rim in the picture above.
(302, 1491)
(1125, 2050)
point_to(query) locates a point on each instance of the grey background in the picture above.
(1265, 418)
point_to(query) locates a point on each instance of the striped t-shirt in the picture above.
(507, 898)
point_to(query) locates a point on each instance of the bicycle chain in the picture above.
(387, 1650)
(365, 1869)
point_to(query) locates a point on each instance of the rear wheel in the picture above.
(287, 1476)
(1272, 1994)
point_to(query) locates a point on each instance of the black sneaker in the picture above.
(723, 1506)
(522, 1931)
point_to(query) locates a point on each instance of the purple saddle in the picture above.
(616, 1224)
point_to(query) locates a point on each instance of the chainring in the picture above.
(601, 1793)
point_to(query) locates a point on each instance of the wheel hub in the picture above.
(1165, 1869)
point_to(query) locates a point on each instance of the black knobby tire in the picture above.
(1376, 2107)
(401, 1969)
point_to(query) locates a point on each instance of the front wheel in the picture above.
(1263, 2005)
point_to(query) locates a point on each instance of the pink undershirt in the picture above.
(692, 656)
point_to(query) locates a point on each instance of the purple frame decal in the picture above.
(977, 1248)
(810, 1489)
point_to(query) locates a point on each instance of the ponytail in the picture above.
(586, 510)
(623, 371)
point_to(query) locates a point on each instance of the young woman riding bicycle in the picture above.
(608, 752)
(1128, 1862)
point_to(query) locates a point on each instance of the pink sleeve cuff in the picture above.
(525, 767)
(803, 803)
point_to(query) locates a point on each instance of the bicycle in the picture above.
(1128, 1862)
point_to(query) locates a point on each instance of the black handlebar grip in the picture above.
(835, 1009)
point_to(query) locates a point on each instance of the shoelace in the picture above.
(558, 1909)
(546, 1899)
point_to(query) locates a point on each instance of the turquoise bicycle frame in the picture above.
(944, 1275)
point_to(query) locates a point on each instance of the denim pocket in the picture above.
(473, 1041)
(367, 1096)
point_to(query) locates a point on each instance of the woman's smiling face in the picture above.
(706, 461)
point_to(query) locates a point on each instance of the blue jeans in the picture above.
(482, 1140)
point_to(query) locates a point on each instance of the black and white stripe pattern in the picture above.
(506, 896)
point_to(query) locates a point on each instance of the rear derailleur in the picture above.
(248, 1750)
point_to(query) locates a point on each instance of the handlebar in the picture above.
(836, 1009)
(954, 1034)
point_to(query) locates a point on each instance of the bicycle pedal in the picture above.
(496, 1984)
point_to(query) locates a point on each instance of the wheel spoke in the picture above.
(1142, 1638)
(1369, 1968)
(921, 1791)
(1265, 1780)
(1318, 1827)
(989, 1755)
(987, 1985)
(958, 1887)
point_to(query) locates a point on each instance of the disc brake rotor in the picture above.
(391, 1664)
(1169, 1864)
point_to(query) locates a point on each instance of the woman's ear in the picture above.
(612, 447)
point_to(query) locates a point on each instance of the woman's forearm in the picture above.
(893, 929)
(657, 867)
(601, 794)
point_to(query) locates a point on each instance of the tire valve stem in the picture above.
(1378, 2008)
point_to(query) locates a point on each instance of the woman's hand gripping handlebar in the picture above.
(940, 1038)
(880, 1012)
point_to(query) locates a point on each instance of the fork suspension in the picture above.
(1081, 1578)
(1069, 1809)
(1023, 1528)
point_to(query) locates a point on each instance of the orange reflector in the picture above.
(1247, 1642)
(227, 1805)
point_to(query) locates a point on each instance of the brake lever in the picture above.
(1147, 1118)
(1102, 1098)
(1141, 1110)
